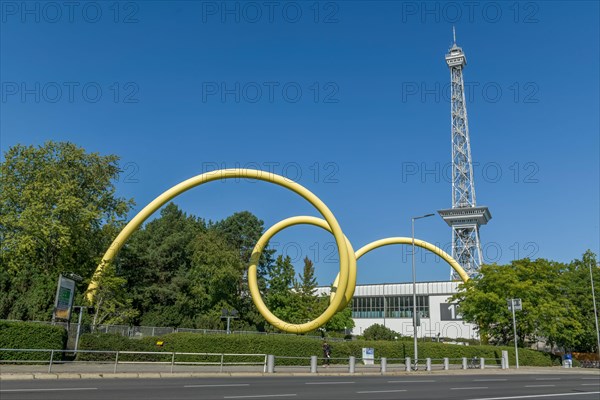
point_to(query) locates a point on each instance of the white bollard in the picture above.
(482, 363)
(504, 359)
(352, 365)
(383, 365)
(313, 364)
(464, 363)
(446, 364)
(407, 364)
(270, 363)
(428, 364)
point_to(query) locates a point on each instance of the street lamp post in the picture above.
(414, 277)
(595, 310)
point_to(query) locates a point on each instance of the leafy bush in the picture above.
(380, 332)
(31, 335)
(295, 346)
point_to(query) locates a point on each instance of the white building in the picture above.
(391, 305)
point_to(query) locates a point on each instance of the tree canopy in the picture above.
(58, 212)
(556, 300)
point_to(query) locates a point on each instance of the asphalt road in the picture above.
(448, 387)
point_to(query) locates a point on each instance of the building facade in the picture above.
(391, 305)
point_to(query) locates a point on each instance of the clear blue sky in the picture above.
(349, 98)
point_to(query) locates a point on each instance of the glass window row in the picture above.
(390, 306)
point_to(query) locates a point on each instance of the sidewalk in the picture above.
(145, 371)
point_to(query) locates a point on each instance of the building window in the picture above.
(390, 306)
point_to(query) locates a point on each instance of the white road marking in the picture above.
(381, 391)
(328, 383)
(224, 385)
(590, 384)
(596, 379)
(259, 395)
(489, 380)
(410, 381)
(540, 385)
(468, 388)
(45, 390)
(547, 379)
(531, 396)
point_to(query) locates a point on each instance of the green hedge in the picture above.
(292, 346)
(30, 335)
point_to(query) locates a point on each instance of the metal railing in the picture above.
(143, 331)
(164, 361)
(116, 358)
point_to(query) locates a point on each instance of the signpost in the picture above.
(229, 315)
(64, 299)
(515, 304)
(368, 355)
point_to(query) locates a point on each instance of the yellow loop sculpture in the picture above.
(345, 282)
(337, 288)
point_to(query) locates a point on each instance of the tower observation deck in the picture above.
(465, 217)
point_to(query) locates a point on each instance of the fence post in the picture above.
(172, 362)
(446, 364)
(407, 364)
(383, 365)
(482, 363)
(51, 359)
(464, 363)
(270, 363)
(116, 362)
(222, 357)
(352, 364)
(504, 359)
(313, 364)
(428, 364)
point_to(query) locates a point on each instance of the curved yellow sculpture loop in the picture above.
(161, 200)
(348, 291)
(419, 243)
(345, 282)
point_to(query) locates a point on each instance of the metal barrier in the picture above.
(154, 358)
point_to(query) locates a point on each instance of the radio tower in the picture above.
(464, 217)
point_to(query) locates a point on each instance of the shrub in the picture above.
(31, 335)
(296, 346)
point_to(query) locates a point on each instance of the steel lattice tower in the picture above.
(464, 217)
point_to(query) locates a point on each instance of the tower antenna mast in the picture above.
(465, 217)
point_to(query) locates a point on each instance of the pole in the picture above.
(512, 306)
(228, 322)
(78, 328)
(414, 277)
(595, 310)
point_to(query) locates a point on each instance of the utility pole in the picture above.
(515, 304)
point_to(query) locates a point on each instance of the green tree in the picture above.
(380, 332)
(576, 282)
(341, 321)
(307, 303)
(58, 213)
(549, 309)
(155, 262)
(112, 305)
(280, 299)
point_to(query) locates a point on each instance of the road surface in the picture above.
(498, 387)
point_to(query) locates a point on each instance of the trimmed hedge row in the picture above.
(30, 335)
(291, 346)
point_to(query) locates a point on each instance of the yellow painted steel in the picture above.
(419, 243)
(345, 282)
(336, 287)
(347, 290)
(176, 190)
